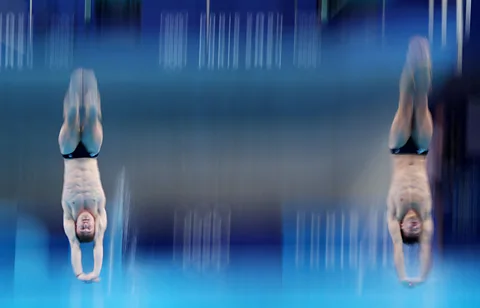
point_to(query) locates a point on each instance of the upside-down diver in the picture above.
(409, 199)
(83, 198)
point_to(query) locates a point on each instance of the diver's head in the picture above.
(85, 227)
(411, 228)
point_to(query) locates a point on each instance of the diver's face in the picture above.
(411, 224)
(85, 224)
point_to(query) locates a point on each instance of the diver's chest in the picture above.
(90, 201)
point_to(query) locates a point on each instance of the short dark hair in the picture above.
(409, 240)
(85, 238)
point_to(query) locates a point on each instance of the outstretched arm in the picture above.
(426, 247)
(76, 253)
(394, 228)
(98, 248)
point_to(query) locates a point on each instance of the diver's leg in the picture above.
(401, 128)
(421, 66)
(69, 136)
(92, 132)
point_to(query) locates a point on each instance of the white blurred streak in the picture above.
(217, 240)
(312, 240)
(460, 34)
(202, 41)
(295, 37)
(236, 41)
(313, 41)
(248, 43)
(207, 20)
(227, 237)
(221, 40)
(330, 241)
(361, 269)
(468, 18)
(211, 41)
(59, 48)
(353, 240)
(196, 239)
(229, 39)
(259, 39)
(21, 40)
(187, 240)
(185, 40)
(307, 38)
(315, 241)
(317, 249)
(173, 27)
(383, 19)
(30, 36)
(9, 40)
(207, 240)
(87, 14)
(119, 218)
(324, 13)
(202, 239)
(279, 41)
(270, 40)
(444, 22)
(431, 19)
(327, 238)
(342, 241)
(173, 40)
(299, 244)
(373, 238)
(13, 40)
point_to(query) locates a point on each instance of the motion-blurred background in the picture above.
(233, 127)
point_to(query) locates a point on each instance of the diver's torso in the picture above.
(82, 187)
(410, 188)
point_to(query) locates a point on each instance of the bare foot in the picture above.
(72, 100)
(92, 96)
(419, 65)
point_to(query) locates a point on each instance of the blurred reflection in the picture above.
(202, 238)
(60, 46)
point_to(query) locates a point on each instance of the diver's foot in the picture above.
(72, 102)
(417, 73)
(91, 103)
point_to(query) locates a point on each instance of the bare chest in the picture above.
(410, 187)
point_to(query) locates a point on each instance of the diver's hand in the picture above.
(411, 282)
(88, 278)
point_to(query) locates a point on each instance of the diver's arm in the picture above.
(98, 245)
(76, 253)
(426, 246)
(394, 229)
